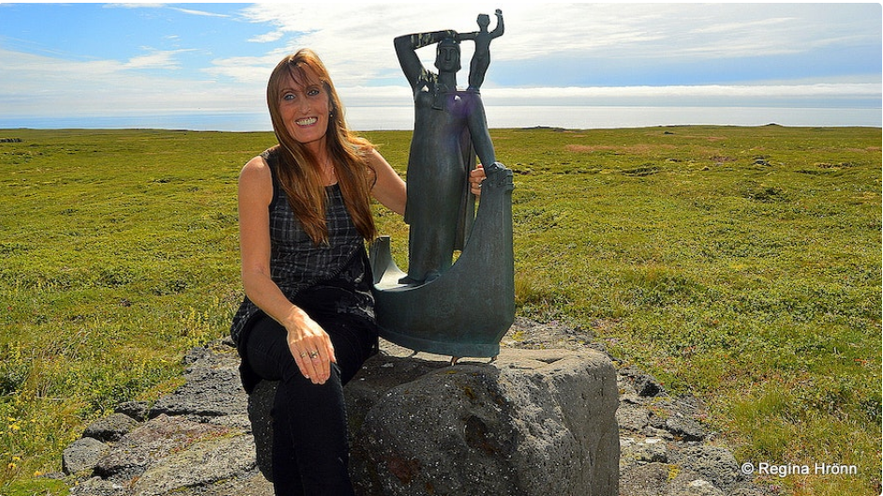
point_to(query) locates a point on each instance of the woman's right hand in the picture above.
(310, 346)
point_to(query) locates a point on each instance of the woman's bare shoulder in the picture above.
(256, 180)
(257, 167)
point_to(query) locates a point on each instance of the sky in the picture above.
(90, 60)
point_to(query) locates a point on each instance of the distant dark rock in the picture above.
(82, 455)
(685, 428)
(138, 410)
(111, 428)
(632, 417)
(716, 465)
(647, 386)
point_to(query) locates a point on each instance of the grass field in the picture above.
(742, 265)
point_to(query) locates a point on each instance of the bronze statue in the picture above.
(463, 308)
(447, 123)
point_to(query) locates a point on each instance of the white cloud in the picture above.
(44, 87)
(132, 5)
(198, 12)
(155, 59)
(268, 37)
(245, 70)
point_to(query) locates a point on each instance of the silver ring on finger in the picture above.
(314, 354)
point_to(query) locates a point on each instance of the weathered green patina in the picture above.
(462, 308)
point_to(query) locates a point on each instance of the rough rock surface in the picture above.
(198, 441)
(531, 423)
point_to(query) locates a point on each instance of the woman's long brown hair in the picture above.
(299, 171)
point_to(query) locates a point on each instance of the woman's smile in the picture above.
(308, 121)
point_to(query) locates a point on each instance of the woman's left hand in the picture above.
(476, 176)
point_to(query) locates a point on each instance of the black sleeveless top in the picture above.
(301, 268)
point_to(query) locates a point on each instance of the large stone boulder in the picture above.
(533, 422)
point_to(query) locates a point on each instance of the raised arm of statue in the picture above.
(406, 50)
(481, 138)
(498, 31)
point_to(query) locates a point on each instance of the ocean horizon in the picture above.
(566, 117)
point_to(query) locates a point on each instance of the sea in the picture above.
(566, 117)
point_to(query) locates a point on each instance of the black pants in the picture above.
(310, 445)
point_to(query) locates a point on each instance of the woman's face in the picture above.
(304, 108)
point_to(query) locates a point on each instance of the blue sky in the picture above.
(92, 60)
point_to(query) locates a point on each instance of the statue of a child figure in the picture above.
(481, 59)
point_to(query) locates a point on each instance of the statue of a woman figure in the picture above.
(438, 167)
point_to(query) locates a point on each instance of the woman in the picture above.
(307, 319)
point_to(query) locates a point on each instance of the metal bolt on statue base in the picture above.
(461, 309)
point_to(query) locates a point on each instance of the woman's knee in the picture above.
(267, 350)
